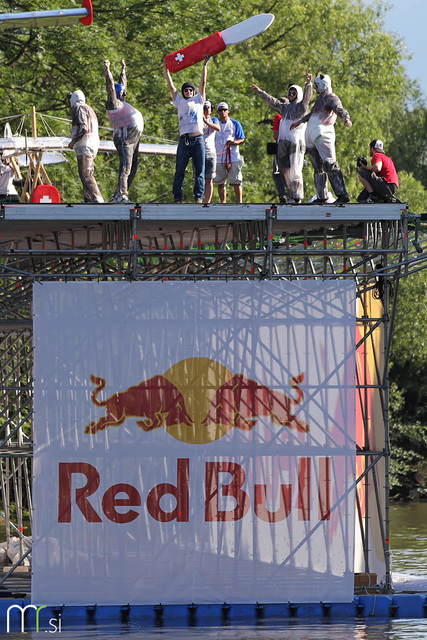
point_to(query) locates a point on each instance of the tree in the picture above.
(409, 146)
(408, 370)
(408, 386)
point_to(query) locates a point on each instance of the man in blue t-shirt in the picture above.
(229, 161)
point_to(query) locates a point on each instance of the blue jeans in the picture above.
(190, 147)
(127, 148)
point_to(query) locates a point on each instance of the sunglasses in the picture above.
(222, 109)
(188, 89)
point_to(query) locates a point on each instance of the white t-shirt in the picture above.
(190, 113)
(230, 130)
(209, 136)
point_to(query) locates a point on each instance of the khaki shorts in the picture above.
(210, 167)
(234, 175)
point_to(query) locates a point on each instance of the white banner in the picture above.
(194, 442)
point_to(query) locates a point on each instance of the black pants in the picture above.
(382, 189)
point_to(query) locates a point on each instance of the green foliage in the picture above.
(408, 368)
(412, 157)
(412, 191)
(408, 386)
(409, 454)
(365, 63)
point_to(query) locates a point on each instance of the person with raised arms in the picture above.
(291, 142)
(128, 124)
(191, 142)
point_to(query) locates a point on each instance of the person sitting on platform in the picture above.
(380, 179)
(85, 142)
(128, 124)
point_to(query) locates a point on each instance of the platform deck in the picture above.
(33, 221)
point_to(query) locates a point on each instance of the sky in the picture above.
(408, 18)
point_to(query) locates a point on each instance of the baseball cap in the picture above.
(378, 144)
(223, 105)
(188, 85)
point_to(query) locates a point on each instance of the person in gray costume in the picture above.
(320, 140)
(278, 179)
(85, 142)
(291, 140)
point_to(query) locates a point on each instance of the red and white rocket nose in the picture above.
(194, 52)
(217, 42)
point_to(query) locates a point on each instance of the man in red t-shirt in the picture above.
(380, 179)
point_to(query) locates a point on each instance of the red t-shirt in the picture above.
(276, 122)
(388, 170)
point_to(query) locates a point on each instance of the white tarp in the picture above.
(194, 442)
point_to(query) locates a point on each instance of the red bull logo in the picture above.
(198, 401)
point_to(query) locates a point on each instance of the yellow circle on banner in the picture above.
(198, 380)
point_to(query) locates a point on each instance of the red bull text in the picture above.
(127, 496)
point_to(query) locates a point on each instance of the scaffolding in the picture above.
(374, 245)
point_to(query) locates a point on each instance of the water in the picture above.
(295, 630)
(408, 539)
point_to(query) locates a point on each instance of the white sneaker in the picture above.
(121, 200)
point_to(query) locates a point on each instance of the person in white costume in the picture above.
(128, 124)
(320, 140)
(291, 142)
(85, 142)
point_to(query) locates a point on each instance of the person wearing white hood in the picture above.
(85, 142)
(291, 141)
(320, 140)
